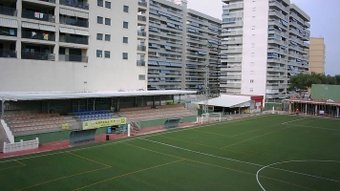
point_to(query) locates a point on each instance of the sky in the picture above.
(325, 22)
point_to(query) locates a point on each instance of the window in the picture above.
(100, 3)
(126, 8)
(125, 25)
(125, 40)
(99, 36)
(108, 4)
(107, 54)
(125, 56)
(99, 54)
(107, 37)
(141, 77)
(99, 20)
(107, 21)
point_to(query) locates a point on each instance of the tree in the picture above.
(302, 82)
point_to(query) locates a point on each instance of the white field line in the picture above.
(291, 121)
(299, 173)
(251, 163)
(312, 127)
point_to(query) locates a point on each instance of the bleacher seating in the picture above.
(93, 115)
(161, 112)
(27, 123)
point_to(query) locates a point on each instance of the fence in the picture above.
(9, 133)
(21, 146)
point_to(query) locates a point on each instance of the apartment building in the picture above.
(183, 47)
(73, 45)
(317, 55)
(263, 44)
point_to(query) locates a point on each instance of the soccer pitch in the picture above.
(265, 153)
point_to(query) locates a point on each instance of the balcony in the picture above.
(141, 48)
(141, 33)
(38, 56)
(75, 3)
(74, 21)
(141, 18)
(76, 39)
(38, 16)
(8, 53)
(6, 10)
(48, 1)
(140, 62)
(38, 35)
(72, 58)
(142, 3)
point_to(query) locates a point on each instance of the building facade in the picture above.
(183, 47)
(263, 44)
(68, 45)
(105, 45)
(317, 55)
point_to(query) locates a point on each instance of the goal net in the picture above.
(210, 117)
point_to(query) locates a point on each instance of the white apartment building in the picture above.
(183, 47)
(73, 45)
(264, 42)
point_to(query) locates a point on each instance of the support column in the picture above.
(2, 108)
(290, 107)
(316, 109)
(337, 111)
(306, 108)
(94, 105)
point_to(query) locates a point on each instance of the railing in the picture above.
(73, 58)
(74, 22)
(21, 146)
(38, 15)
(37, 56)
(39, 35)
(77, 4)
(4, 10)
(73, 39)
(8, 53)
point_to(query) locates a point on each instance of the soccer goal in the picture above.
(210, 117)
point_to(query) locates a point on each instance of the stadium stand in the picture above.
(3, 137)
(28, 123)
(161, 112)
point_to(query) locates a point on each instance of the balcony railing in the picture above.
(6, 53)
(73, 39)
(37, 56)
(73, 58)
(141, 33)
(38, 16)
(38, 35)
(77, 4)
(141, 18)
(5, 10)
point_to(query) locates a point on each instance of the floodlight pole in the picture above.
(2, 108)
(206, 89)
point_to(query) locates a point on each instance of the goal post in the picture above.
(210, 117)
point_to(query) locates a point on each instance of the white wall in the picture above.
(255, 45)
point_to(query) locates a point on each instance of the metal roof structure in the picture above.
(228, 101)
(58, 95)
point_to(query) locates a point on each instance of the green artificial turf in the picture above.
(287, 152)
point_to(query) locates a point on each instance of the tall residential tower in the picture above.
(317, 55)
(263, 44)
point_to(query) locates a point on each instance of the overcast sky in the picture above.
(325, 16)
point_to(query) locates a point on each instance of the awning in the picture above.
(228, 101)
(10, 23)
(67, 30)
